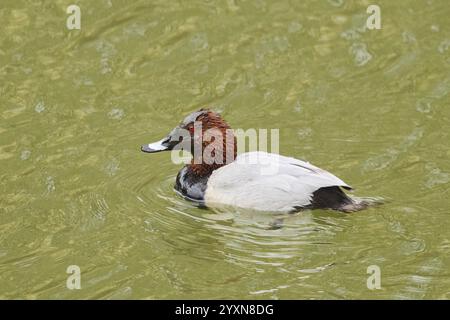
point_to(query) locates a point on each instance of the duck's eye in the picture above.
(191, 128)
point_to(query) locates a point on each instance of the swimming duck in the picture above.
(241, 181)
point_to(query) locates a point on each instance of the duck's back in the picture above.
(271, 182)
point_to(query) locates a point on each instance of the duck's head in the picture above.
(198, 130)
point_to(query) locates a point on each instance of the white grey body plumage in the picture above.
(271, 183)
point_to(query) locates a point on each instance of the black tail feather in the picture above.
(336, 199)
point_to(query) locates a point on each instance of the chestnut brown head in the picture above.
(204, 134)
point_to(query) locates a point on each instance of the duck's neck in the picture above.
(203, 170)
(209, 160)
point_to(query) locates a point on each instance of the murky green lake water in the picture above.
(371, 106)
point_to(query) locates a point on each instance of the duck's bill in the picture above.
(157, 146)
(176, 139)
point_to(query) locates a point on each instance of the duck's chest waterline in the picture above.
(191, 185)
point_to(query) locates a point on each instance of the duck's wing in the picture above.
(265, 181)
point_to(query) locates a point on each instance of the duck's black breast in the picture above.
(191, 185)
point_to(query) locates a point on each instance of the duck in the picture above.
(243, 180)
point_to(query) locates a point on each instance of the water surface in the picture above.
(371, 106)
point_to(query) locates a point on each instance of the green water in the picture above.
(371, 106)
